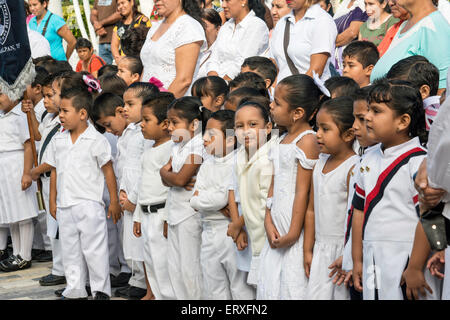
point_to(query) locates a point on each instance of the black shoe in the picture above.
(14, 263)
(121, 280)
(59, 292)
(35, 253)
(65, 298)
(101, 296)
(45, 256)
(4, 254)
(52, 280)
(131, 293)
(123, 292)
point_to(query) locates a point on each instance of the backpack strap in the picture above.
(47, 140)
(44, 31)
(43, 115)
(291, 64)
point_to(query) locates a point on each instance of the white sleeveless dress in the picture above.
(281, 274)
(330, 210)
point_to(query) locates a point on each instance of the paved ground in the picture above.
(24, 285)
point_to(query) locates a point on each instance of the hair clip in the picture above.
(92, 83)
(320, 84)
(200, 108)
(158, 83)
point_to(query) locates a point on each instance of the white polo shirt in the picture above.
(78, 166)
(315, 33)
(45, 127)
(235, 43)
(13, 130)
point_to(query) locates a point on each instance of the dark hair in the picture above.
(365, 52)
(83, 43)
(212, 16)
(81, 98)
(112, 83)
(107, 68)
(60, 76)
(330, 11)
(134, 10)
(265, 113)
(189, 108)
(362, 93)
(237, 95)
(134, 64)
(211, 86)
(418, 71)
(301, 91)
(133, 39)
(159, 103)
(105, 105)
(341, 86)
(39, 60)
(258, 8)
(402, 98)
(41, 74)
(143, 90)
(262, 66)
(192, 8)
(263, 101)
(226, 117)
(53, 66)
(27, 8)
(250, 80)
(341, 110)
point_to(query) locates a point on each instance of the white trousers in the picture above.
(84, 243)
(58, 266)
(41, 240)
(222, 280)
(184, 258)
(155, 256)
(117, 262)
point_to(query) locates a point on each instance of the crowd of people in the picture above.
(225, 150)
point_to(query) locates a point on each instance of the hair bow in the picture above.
(157, 83)
(319, 83)
(92, 83)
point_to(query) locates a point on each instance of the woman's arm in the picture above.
(181, 178)
(65, 33)
(115, 41)
(348, 34)
(317, 63)
(186, 58)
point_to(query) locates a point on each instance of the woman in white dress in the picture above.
(171, 50)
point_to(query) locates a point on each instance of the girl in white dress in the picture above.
(281, 268)
(327, 208)
(17, 194)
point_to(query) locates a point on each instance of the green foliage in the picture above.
(70, 18)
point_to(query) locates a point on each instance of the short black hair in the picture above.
(105, 105)
(41, 74)
(106, 69)
(111, 82)
(341, 86)
(133, 39)
(81, 98)
(134, 64)
(39, 60)
(54, 66)
(365, 52)
(237, 95)
(211, 86)
(212, 16)
(83, 43)
(143, 90)
(262, 66)
(159, 103)
(250, 80)
(362, 93)
(226, 117)
(417, 70)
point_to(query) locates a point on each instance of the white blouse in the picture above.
(235, 43)
(315, 33)
(158, 57)
(13, 130)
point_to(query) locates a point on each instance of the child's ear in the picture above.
(37, 89)
(135, 77)
(368, 70)
(83, 114)
(425, 91)
(268, 83)
(349, 135)
(194, 125)
(269, 127)
(219, 100)
(299, 113)
(403, 122)
(164, 124)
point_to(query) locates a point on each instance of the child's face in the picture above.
(355, 70)
(151, 129)
(383, 124)
(49, 103)
(214, 139)
(279, 108)
(324, 5)
(114, 124)
(179, 129)
(329, 137)
(85, 53)
(71, 118)
(56, 93)
(374, 8)
(125, 73)
(360, 109)
(250, 128)
(132, 108)
(6, 104)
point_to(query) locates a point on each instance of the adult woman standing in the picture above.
(213, 22)
(53, 28)
(244, 35)
(171, 50)
(303, 40)
(425, 33)
(131, 18)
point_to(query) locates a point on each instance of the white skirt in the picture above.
(133, 248)
(15, 205)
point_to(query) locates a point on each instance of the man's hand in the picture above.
(27, 106)
(428, 197)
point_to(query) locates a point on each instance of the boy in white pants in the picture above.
(81, 159)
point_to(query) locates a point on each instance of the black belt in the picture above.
(152, 208)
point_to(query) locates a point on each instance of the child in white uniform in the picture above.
(187, 119)
(81, 159)
(386, 209)
(327, 208)
(17, 196)
(222, 280)
(150, 217)
(281, 268)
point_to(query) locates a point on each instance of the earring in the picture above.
(243, 5)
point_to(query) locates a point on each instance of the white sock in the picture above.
(3, 238)
(26, 238)
(15, 237)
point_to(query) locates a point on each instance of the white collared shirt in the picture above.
(45, 127)
(79, 166)
(235, 43)
(212, 183)
(315, 33)
(13, 130)
(178, 207)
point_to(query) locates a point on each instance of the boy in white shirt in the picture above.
(150, 215)
(81, 159)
